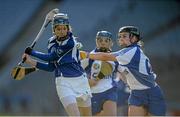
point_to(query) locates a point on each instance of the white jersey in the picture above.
(103, 84)
(136, 68)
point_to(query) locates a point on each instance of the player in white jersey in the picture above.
(103, 90)
(146, 97)
(63, 57)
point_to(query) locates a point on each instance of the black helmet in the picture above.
(130, 29)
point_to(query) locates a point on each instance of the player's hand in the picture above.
(84, 55)
(29, 60)
(92, 82)
(28, 50)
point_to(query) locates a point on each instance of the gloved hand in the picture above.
(28, 50)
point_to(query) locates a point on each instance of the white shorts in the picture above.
(77, 86)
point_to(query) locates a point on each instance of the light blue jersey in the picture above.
(93, 68)
(105, 90)
(136, 67)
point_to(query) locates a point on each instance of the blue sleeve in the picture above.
(45, 66)
(57, 53)
(45, 57)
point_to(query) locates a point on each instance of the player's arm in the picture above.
(43, 66)
(43, 56)
(102, 56)
(53, 55)
(98, 56)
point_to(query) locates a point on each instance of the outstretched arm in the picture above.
(54, 55)
(102, 56)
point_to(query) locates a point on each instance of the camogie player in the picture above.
(146, 96)
(104, 93)
(63, 57)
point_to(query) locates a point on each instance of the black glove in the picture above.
(28, 50)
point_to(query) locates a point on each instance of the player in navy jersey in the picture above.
(103, 90)
(63, 58)
(146, 97)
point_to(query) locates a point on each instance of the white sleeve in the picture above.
(84, 63)
(125, 55)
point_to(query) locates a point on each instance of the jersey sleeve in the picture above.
(45, 56)
(55, 52)
(125, 55)
(45, 66)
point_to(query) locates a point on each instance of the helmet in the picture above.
(131, 29)
(104, 34)
(60, 19)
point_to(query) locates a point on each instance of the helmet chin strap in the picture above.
(131, 37)
(62, 38)
(102, 49)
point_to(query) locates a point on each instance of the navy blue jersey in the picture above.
(62, 56)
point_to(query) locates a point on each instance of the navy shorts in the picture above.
(151, 98)
(99, 99)
(122, 97)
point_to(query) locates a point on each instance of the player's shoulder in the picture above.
(52, 39)
(127, 50)
(51, 42)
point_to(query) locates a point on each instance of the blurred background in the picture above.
(20, 21)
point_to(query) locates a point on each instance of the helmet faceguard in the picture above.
(132, 30)
(60, 19)
(104, 35)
